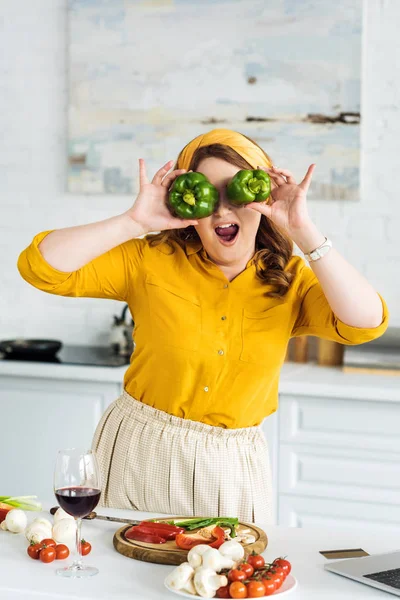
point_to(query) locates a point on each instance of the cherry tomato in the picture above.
(237, 590)
(236, 575)
(62, 551)
(246, 568)
(256, 561)
(255, 589)
(277, 579)
(47, 555)
(223, 592)
(283, 564)
(85, 547)
(278, 572)
(48, 542)
(269, 586)
(33, 551)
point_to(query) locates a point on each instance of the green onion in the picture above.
(196, 523)
(22, 502)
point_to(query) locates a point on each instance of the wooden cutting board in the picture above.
(169, 553)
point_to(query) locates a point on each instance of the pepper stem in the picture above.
(257, 185)
(189, 198)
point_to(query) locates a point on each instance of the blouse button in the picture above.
(206, 389)
(223, 318)
(226, 285)
(220, 352)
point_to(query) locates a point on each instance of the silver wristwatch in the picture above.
(320, 251)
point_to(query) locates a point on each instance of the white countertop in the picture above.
(24, 368)
(123, 578)
(296, 378)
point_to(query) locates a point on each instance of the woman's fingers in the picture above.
(276, 177)
(186, 222)
(161, 173)
(287, 174)
(142, 173)
(305, 184)
(264, 209)
(280, 176)
(168, 179)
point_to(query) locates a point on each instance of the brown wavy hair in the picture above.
(273, 247)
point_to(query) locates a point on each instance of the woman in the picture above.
(215, 302)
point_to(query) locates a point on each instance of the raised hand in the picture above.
(287, 205)
(150, 210)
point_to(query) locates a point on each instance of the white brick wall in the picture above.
(33, 101)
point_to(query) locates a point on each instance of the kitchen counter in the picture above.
(123, 578)
(308, 379)
(38, 370)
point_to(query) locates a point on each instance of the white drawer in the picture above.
(294, 511)
(360, 475)
(340, 423)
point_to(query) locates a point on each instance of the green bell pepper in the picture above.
(192, 196)
(249, 186)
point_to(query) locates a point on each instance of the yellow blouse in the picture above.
(207, 349)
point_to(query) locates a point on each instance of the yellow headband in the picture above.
(247, 150)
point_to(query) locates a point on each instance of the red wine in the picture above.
(78, 501)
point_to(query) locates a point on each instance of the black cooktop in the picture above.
(98, 356)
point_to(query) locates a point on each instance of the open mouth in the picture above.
(227, 233)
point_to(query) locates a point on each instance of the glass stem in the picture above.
(78, 557)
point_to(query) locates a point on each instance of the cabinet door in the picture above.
(295, 511)
(343, 473)
(40, 417)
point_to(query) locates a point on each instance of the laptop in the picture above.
(381, 571)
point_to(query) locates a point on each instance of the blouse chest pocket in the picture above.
(265, 335)
(174, 313)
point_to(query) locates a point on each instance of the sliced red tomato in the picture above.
(163, 526)
(4, 509)
(187, 541)
(162, 532)
(219, 535)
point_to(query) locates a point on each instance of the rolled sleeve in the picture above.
(111, 275)
(358, 335)
(316, 318)
(36, 270)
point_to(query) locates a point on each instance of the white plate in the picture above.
(288, 586)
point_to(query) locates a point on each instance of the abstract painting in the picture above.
(146, 76)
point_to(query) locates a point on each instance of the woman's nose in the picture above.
(223, 206)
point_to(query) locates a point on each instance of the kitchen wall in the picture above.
(33, 103)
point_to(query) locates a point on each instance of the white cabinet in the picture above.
(298, 511)
(339, 461)
(40, 416)
(334, 442)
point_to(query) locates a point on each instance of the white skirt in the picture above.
(152, 461)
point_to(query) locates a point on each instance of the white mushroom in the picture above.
(195, 555)
(43, 521)
(213, 559)
(64, 532)
(61, 514)
(181, 579)
(16, 520)
(232, 550)
(3, 525)
(36, 532)
(207, 582)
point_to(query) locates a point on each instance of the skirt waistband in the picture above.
(145, 413)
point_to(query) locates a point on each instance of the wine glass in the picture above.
(77, 487)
